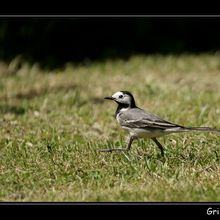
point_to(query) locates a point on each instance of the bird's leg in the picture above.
(159, 145)
(119, 149)
(130, 142)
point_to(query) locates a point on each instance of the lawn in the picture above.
(52, 122)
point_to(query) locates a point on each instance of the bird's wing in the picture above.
(138, 118)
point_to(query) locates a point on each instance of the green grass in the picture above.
(52, 122)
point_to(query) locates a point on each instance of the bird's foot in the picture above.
(112, 149)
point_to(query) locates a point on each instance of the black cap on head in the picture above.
(132, 98)
(128, 93)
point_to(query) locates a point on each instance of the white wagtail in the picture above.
(141, 124)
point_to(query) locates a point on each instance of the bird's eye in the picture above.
(121, 96)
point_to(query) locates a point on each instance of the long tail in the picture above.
(187, 129)
(207, 129)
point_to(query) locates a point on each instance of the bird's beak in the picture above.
(109, 97)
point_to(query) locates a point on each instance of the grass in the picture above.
(52, 122)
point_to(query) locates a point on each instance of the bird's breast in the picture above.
(118, 118)
(119, 113)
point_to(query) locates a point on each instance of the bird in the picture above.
(142, 124)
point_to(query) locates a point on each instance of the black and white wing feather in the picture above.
(138, 118)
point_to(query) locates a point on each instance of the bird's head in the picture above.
(123, 98)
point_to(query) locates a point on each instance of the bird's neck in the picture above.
(123, 107)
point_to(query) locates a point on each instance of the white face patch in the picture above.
(122, 98)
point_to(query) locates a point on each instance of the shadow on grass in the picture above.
(32, 93)
(12, 109)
